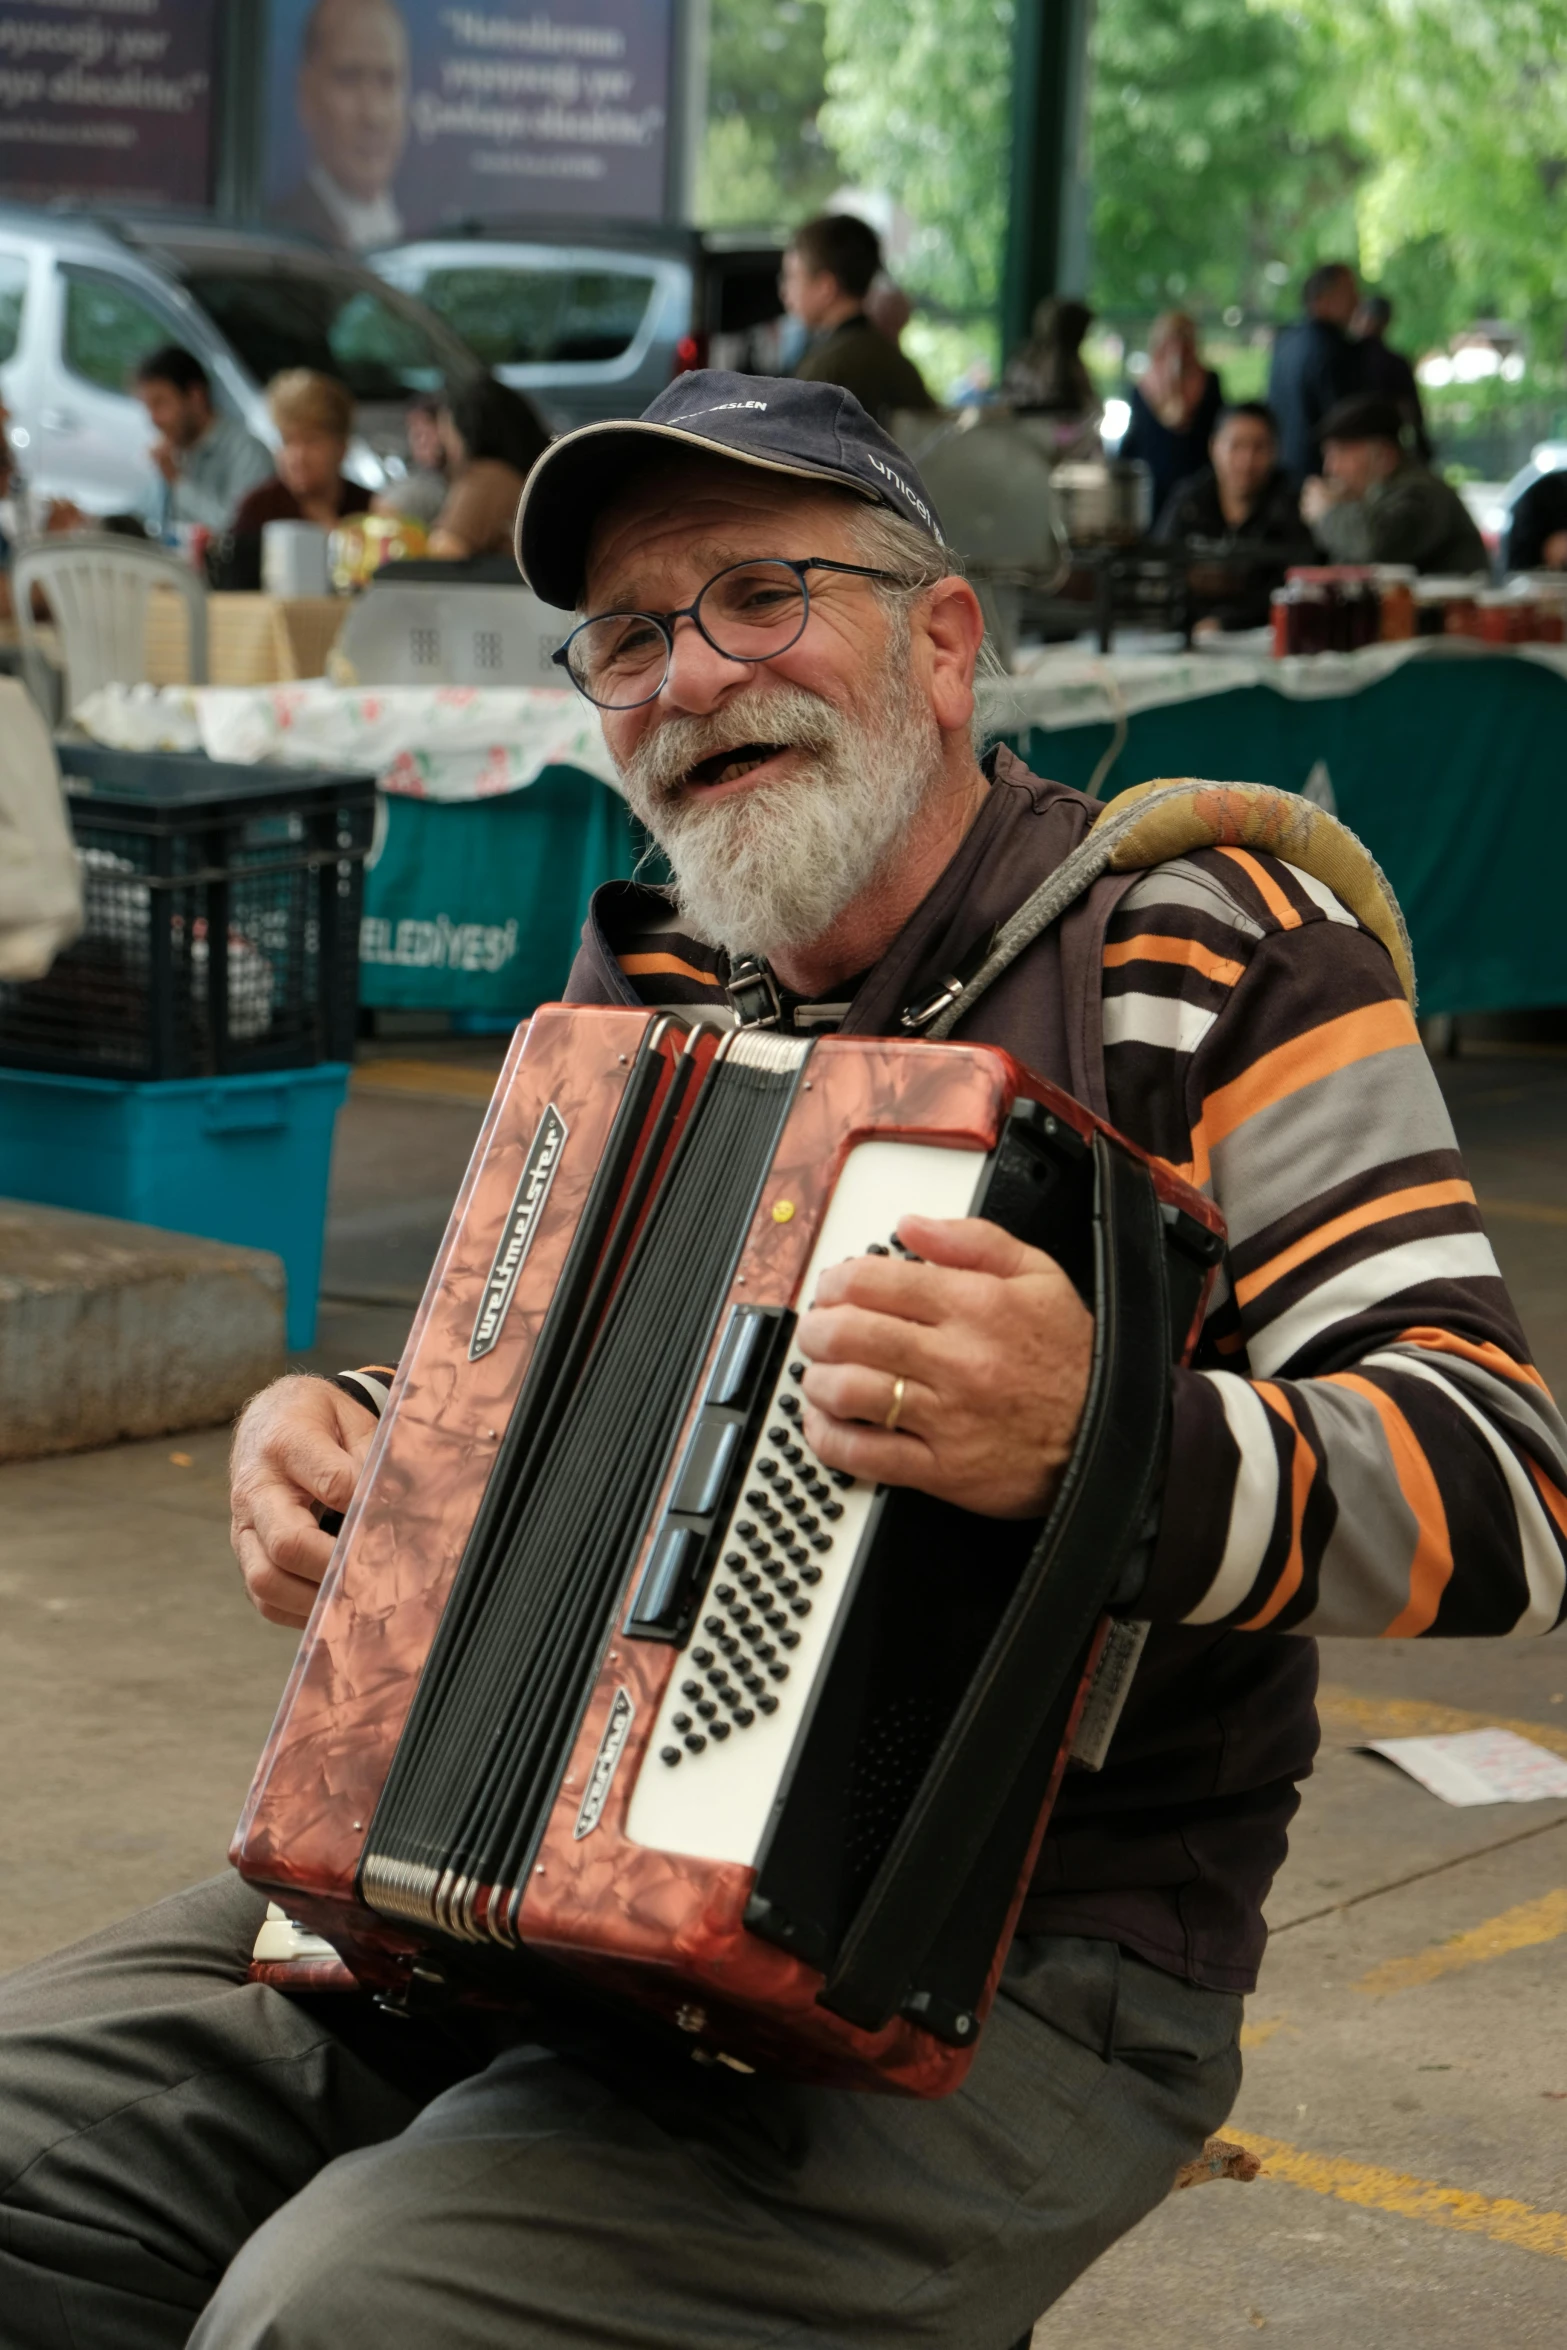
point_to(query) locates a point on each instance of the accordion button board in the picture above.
(783, 1564)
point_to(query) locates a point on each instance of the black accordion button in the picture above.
(797, 1553)
(669, 1754)
(788, 1639)
(743, 1715)
(790, 1406)
(753, 1682)
(720, 1730)
(695, 1742)
(878, 1248)
(690, 1688)
(778, 1672)
(796, 1372)
(706, 1708)
(767, 1705)
(812, 1575)
(701, 1656)
(799, 1607)
(821, 1542)
(832, 1510)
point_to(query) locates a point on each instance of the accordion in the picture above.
(612, 1688)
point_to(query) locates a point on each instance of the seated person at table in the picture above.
(1537, 532)
(422, 491)
(493, 438)
(1175, 407)
(314, 415)
(207, 462)
(1379, 504)
(1241, 504)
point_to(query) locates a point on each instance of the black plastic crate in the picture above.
(179, 850)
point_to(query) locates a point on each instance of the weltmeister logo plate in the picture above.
(612, 1746)
(517, 1233)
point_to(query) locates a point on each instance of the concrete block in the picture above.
(110, 1330)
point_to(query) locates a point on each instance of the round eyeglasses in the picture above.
(747, 612)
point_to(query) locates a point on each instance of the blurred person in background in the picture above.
(206, 462)
(888, 308)
(352, 99)
(1537, 528)
(1377, 503)
(1175, 406)
(422, 491)
(1241, 504)
(1388, 373)
(493, 438)
(828, 272)
(314, 415)
(1315, 366)
(1047, 376)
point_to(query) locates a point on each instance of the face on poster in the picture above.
(391, 118)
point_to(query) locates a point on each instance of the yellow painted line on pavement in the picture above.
(1523, 1928)
(449, 1079)
(1354, 1715)
(1521, 1211)
(1258, 2035)
(1375, 2189)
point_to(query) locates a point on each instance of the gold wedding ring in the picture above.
(895, 1408)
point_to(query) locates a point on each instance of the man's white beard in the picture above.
(773, 868)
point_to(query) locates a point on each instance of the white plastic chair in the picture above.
(97, 585)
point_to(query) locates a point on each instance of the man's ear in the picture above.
(954, 627)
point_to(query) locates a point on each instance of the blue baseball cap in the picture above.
(812, 431)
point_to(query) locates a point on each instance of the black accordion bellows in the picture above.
(502, 1695)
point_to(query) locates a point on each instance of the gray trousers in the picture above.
(185, 2157)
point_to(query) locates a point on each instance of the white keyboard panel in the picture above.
(741, 1687)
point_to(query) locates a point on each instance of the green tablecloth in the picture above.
(1454, 774)
(476, 905)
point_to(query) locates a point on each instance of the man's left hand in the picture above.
(992, 1344)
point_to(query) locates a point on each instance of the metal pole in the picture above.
(687, 125)
(1047, 217)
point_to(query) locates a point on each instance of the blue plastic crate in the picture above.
(244, 1159)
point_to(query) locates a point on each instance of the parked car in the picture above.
(81, 300)
(592, 322)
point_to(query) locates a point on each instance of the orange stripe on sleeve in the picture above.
(1196, 957)
(1472, 1350)
(1303, 1475)
(640, 966)
(1455, 1193)
(1304, 1060)
(1431, 1568)
(1267, 888)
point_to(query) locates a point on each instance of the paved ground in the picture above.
(1407, 2048)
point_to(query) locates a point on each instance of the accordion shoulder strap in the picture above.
(1170, 817)
(1098, 1517)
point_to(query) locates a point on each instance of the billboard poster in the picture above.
(110, 104)
(390, 118)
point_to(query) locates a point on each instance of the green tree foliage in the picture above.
(765, 162)
(1219, 163)
(1460, 107)
(1233, 143)
(919, 104)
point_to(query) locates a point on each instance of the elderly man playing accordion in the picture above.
(784, 657)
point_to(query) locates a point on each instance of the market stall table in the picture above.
(496, 821)
(1448, 760)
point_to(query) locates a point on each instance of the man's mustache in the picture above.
(782, 718)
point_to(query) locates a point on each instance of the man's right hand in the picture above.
(300, 1444)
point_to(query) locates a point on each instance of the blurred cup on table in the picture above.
(294, 559)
